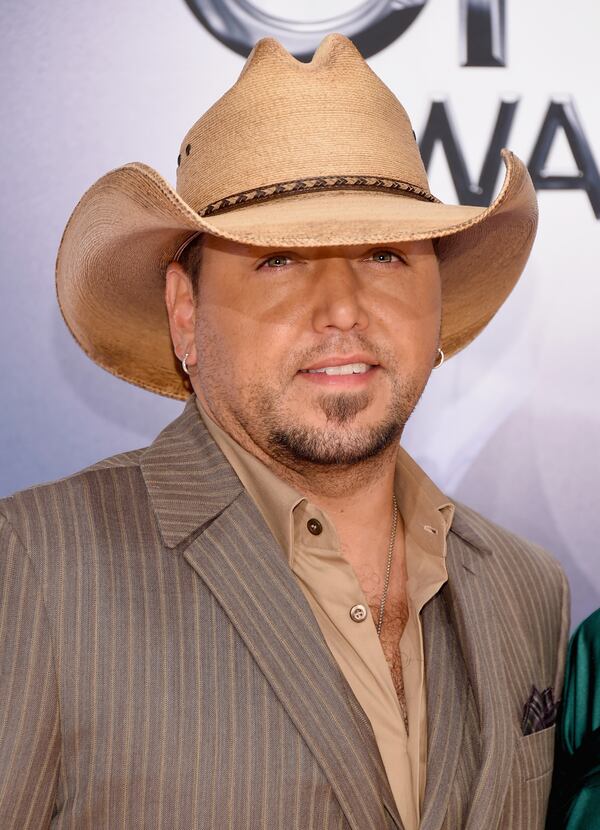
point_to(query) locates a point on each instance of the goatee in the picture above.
(338, 443)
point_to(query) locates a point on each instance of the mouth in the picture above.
(343, 369)
(346, 370)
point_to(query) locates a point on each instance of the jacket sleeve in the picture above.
(29, 714)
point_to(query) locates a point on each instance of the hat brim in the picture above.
(129, 225)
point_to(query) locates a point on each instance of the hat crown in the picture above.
(284, 120)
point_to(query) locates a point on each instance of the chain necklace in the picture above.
(388, 568)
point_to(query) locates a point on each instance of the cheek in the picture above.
(412, 317)
(220, 339)
(239, 345)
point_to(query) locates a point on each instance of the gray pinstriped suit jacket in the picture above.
(160, 668)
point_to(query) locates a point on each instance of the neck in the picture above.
(359, 504)
(357, 499)
(358, 491)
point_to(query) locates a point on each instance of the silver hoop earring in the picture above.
(441, 359)
(184, 365)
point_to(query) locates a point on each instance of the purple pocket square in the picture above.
(539, 712)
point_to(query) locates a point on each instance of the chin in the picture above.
(331, 428)
(332, 444)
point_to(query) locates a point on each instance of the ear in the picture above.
(181, 308)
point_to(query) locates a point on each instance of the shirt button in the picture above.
(314, 526)
(358, 613)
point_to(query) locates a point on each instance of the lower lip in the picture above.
(323, 379)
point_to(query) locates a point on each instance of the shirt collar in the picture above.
(426, 511)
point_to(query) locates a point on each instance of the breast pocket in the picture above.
(535, 754)
(531, 777)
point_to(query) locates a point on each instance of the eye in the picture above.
(385, 256)
(275, 261)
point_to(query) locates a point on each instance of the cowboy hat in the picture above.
(294, 154)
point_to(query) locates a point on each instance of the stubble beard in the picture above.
(338, 443)
(263, 417)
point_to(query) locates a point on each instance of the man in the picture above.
(271, 618)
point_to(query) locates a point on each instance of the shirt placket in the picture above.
(337, 600)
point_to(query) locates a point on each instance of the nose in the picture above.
(337, 297)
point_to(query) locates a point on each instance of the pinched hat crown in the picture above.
(293, 154)
(292, 127)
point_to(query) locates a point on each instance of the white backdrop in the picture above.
(511, 426)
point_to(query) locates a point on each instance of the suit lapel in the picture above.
(241, 564)
(204, 513)
(189, 482)
(471, 607)
(447, 696)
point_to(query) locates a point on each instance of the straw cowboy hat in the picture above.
(294, 154)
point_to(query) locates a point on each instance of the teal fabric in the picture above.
(575, 798)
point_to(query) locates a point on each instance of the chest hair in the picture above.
(394, 622)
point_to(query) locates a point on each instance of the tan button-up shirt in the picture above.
(332, 588)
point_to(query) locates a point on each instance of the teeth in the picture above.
(346, 369)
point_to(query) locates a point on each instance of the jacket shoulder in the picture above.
(529, 591)
(527, 587)
(511, 552)
(35, 511)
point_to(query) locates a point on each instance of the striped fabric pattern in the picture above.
(160, 667)
(509, 605)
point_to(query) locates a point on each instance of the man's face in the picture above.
(319, 355)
